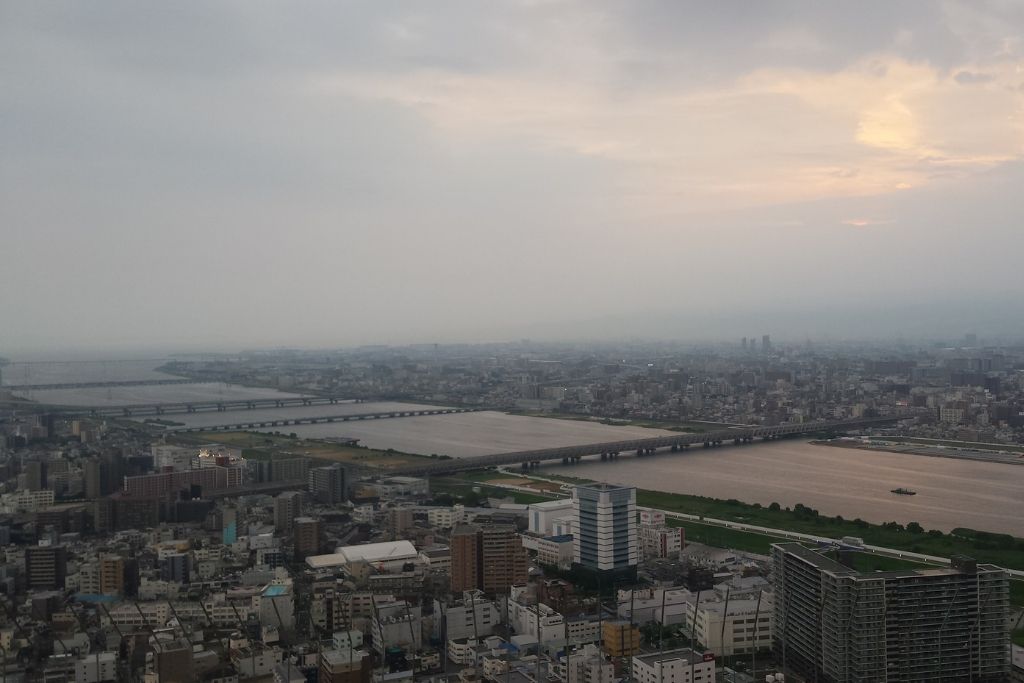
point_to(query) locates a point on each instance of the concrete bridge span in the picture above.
(647, 446)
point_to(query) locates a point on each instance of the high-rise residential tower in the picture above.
(833, 623)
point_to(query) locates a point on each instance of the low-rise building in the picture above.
(556, 551)
(677, 666)
(620, 638)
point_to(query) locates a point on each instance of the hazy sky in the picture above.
(233, 174)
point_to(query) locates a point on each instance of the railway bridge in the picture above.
(144, 409)
(647, 446)
(283, 422)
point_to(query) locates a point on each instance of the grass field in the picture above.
(462, 489)
(968, 445)
(1000, 549)
(262, 446)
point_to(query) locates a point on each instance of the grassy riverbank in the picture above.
(695, 427)
(999, 549)
(267, 445)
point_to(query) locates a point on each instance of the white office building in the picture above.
(604, 527)
(542, 515)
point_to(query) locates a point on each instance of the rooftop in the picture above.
(685, 654)
(552, 504)
(371, 552)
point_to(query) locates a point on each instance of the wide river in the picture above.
(836, 481)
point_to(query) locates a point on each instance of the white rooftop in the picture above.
(553, 504)
(391, 551)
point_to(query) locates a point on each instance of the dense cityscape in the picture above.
(519, 341)
(140, 546)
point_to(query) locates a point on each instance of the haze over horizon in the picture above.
(227, 176)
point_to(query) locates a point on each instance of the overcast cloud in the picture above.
(242, 174)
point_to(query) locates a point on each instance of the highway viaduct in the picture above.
(142, 409)
(100, 385)
(282, 422)
(647, 446)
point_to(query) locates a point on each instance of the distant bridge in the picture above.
(144, 409)
(642, 447)
(282, 422)
(100, 385)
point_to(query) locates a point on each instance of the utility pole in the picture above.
(662, 622)
(693, 638)
(725, 617)
(753, 650)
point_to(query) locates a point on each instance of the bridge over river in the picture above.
(282, 422)
(21, 388)
(144, 409)
(646, 446)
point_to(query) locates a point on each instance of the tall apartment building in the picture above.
(399, 520)
(167, 484)
(835, 624)
(307, 536)
(35, 475)
(92, 478)
(327, 485)
(46, 567)
(176, 567)
(112, 575)
(287, 506)
(604, 527)
(488, 558)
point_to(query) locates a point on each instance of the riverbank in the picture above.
(1003, 550)
(704, 521)
(936, 450)
(688, 426)
(267, 445)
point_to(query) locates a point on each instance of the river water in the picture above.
(60, 371)
(836, 481)
(465, 435)
(844, 481)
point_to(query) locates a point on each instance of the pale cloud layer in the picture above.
(242, 173)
